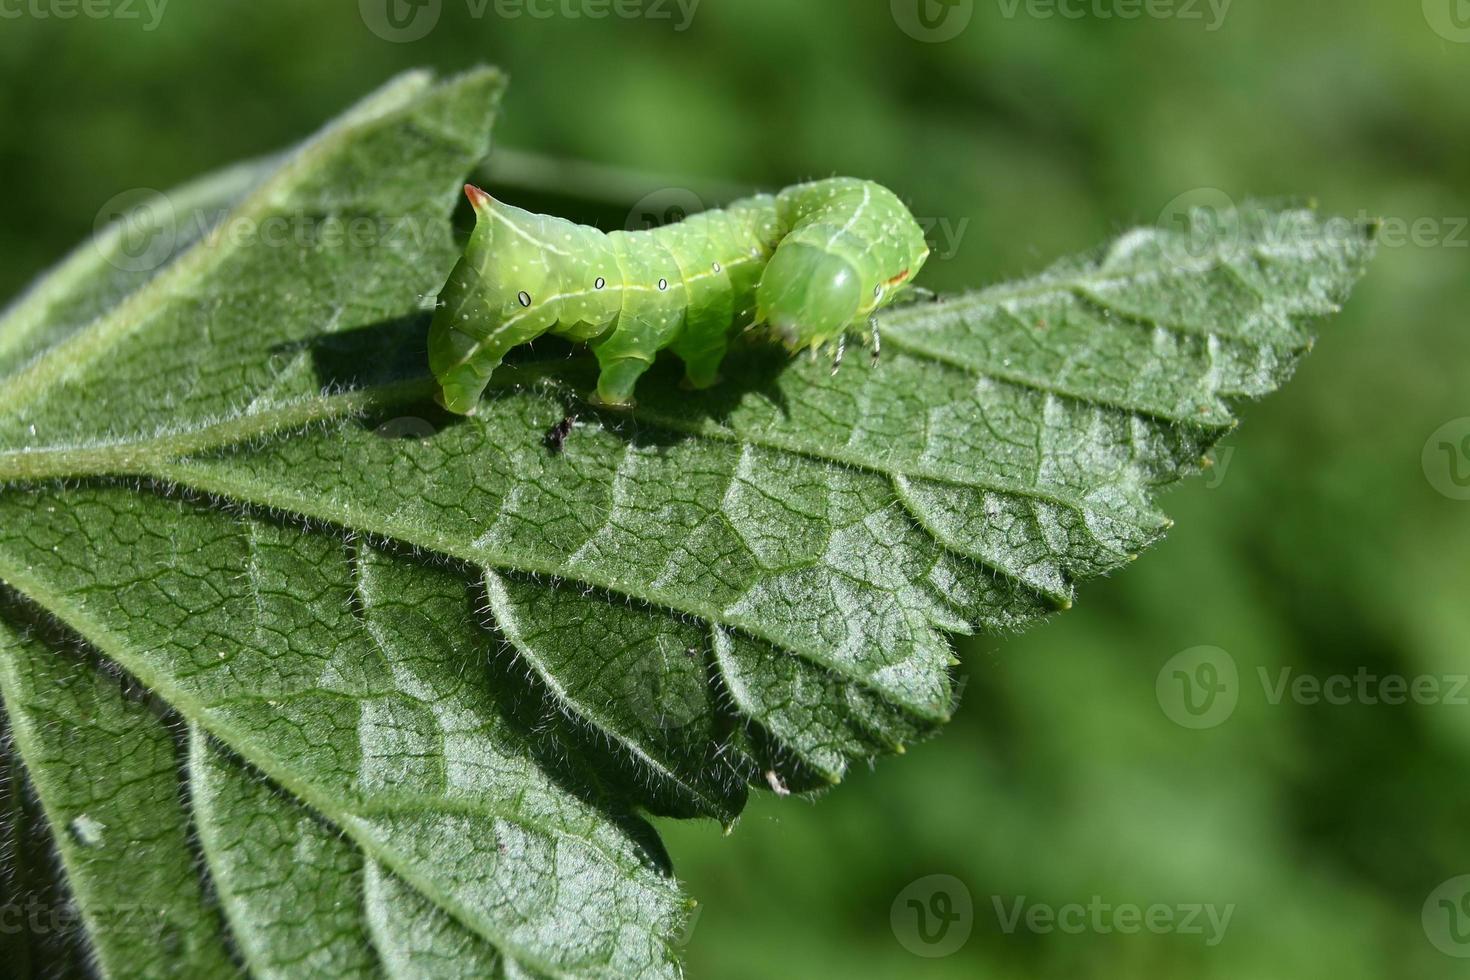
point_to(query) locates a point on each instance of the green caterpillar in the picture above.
(810, 264)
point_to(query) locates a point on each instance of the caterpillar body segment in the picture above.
(811, 263)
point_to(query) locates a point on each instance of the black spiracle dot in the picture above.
(716, 267)
(600, 282)
(663, 284)
(524, 298)
(878, 292)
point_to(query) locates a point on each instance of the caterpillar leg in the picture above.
(628, 350)
(837, 358)
(701, 357)
(619, 375)
(877, 340)
(654, 303)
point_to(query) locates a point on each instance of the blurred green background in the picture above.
(1319, 543)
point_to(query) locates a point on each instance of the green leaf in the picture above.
(106, 770)
(430, 671)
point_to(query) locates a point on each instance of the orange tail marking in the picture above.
(478, 198)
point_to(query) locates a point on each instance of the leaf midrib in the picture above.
(167, 458)
(133, 457)
(145, 459)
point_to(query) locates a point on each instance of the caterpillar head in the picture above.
(808, 296)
